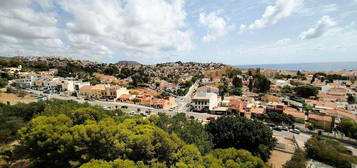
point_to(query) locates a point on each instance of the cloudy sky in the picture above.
(151, 31)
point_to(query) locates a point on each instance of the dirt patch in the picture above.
(13, 98)
(278, 159)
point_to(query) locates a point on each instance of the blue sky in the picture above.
(152, 31)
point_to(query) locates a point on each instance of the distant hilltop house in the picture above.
(13, 69)
(208, 89)
(128, 63)
(50, 83)
(102, 91)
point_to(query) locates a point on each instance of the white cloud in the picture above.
(329, 8)
(144, 26)
(217, 26)
(283, 41)
(273, 13)
(8, 4)
(18, 20)
(92, 28)
(320, 28)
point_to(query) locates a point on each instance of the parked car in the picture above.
(124, 107)
(278, 128)
(210, 118)
(271, 125)
(285, 128)
(295, 131)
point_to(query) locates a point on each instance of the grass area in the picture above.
(13, 98)
(324, 150)
(278, 159)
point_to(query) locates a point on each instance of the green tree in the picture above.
(287, 90)
(190, 157)
(277, 118)
(111, 70)
(94, 81)
(348, 127)
(223, 89)
(13, 117)
(306, 91)
(251, 84)
(237, 82)
(330, 152)
(189, 130)
(298, 160)
(351, 99)
(236, 92)
(3, 82)
(259, 83)
(240, 132)
(232, 72)
(58, 142)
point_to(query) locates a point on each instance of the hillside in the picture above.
(130, 63)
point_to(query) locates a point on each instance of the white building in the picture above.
(352, 108)
(326, 88)
(79, 84)
(282, 83)
(204, 100)
(25, 82)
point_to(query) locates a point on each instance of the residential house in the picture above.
(125, 98)
(321, 105)
(321, 121)
(298, 115)
(337, 91)
(97, 91)
(167, 86)
(85, 91)
(352, 108)
(282, 83)
(105, 78)
(340, 113)
(331, 98)
(208, 89)
(114, 92)
(257, 111)
(79, 84)
(66, 86)
(26, 82)
(236, 106)
(160, 104)
(275, 108)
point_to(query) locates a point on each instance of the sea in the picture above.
(326, 66)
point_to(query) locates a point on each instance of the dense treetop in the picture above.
(60, 133)
(240, 132)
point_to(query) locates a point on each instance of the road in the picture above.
(184, 101)
(138, 108)
(303, 137)
(300, 138)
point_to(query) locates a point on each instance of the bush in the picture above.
(3, 82)
(297, 161)
(330, 152)
(277, 118)
(348, 127)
